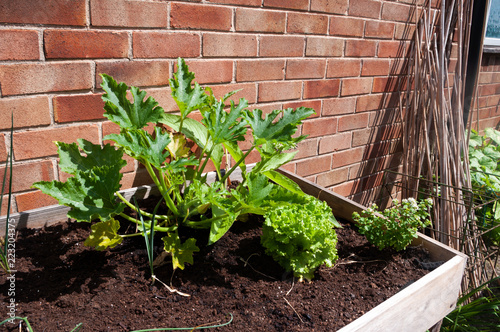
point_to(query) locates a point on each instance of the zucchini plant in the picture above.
(177, 171)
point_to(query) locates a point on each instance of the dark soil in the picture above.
(59, 283)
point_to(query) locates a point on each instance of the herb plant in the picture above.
(301, 236)
(177, 171)
(394, 227)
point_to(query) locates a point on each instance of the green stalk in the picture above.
(237, 164)
(135, 221)
(163, 190)
(200, 327)
(130, 205)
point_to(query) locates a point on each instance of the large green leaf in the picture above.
(274, 162)
(89, 194)
(72, 161)
(104, 234)
(124, 113)
(187, 97)
(284, 181)
(274, 129)
(225, 127)
(181, 253)
(140, 145)
(493, 134)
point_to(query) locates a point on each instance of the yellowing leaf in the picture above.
(181, 253)
(104, 235)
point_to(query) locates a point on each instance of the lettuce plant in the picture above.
(394, 227)
(177, 171)
(301, 236)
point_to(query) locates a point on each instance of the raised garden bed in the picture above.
(73, 284)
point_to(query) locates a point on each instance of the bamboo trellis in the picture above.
(435, 137)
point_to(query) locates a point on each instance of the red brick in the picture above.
(397, 12)
(23, 175)
(314, 165)
(377, 29)
(164, 98)
(69, 44)
(28, 112)
(392, 49)
(37, 144)
(345, 189)
(343, 68)
(229, 45)
(19, 45)
(360, 48)
(340, 141)
(369, 103)
(259, 70)
(307, 148)
(375, 67)
(353, 121)
(296, 4)
(56, 12)
(324, 47)
(305, 68)
(78, 108)
(347, 157)
(281, 46)
(211, 71)
(307, 23)
(330, 6)
(198, 16)
(25, 78)
(356, 86)
(336, 106)
(124, 13)
(321, 88)
(136, 73)
(404, 31)
(268, 20)
(247, 91)
(380, 133)
(253, 3)
(319, 127)
(3, 149)
(153, 44)
(388, 84)
(314, 104)
(346, 26)
(33, 200)
(274, 91)
(333, 177)
(365, 8)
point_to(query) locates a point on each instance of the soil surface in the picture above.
(59, 283)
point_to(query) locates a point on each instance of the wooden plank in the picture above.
(419, 306)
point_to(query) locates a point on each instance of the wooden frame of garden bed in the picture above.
(417, 307)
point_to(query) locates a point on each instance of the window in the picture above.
(492, 36)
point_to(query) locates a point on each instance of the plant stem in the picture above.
(162, 188)
(237, 164)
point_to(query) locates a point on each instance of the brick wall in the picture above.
(340, 57)
(486, 112)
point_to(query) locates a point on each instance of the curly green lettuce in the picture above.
(301, 237)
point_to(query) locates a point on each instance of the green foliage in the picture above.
(301, 236)
(476, 311)
(484, 159)
(394, 227)
(165, 153)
